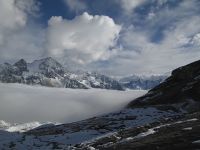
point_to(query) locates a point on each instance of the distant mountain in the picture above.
(142, 82)
(46, 72)
(97, 80)
(49, 72)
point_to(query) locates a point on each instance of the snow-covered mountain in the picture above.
(23, 127)
(49, 72)
(144, 82)
(96, 80)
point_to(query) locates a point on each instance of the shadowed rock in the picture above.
(182, 86)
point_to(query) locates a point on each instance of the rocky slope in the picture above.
(180, 89)
(174, 134)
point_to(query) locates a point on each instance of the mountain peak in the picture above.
(22, 65)
(46, 65)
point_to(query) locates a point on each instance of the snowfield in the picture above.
(22, 103)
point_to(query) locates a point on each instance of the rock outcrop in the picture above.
(182, 87)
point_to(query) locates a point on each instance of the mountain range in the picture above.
(49, 72)
(144, 82)
(167, 117)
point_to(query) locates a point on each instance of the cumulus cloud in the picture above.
(12, 17)
(16, 36)
(13, 13)
(82, 40)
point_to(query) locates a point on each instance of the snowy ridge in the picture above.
(4, 125)
(23, 127)
(96, 80)
(142, 81)
(49, 72)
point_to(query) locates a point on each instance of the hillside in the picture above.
(181, 89)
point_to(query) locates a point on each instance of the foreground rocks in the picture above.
(182, 88)
(174, 134)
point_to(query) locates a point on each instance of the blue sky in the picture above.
(116, 37)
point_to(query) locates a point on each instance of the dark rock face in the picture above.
(182, 86)
(74, 84)
(22, 65)
(10, 74)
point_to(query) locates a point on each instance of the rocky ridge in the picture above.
(49, 72)
(181, 88)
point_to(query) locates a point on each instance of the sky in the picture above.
(115, 37)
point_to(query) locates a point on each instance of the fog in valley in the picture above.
(23, 103)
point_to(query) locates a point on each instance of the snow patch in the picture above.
(196, 142)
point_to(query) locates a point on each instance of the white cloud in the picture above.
(10, 15)
(180, 46)
(31, 7)
(130, 5)
(26, 43)
(82, 40)
(195, 39)
(86, 41)
(76, 5)
(22, 103)
(17, 39)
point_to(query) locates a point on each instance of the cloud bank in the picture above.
(22, 103)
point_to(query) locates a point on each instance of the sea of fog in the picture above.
(22, 103)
